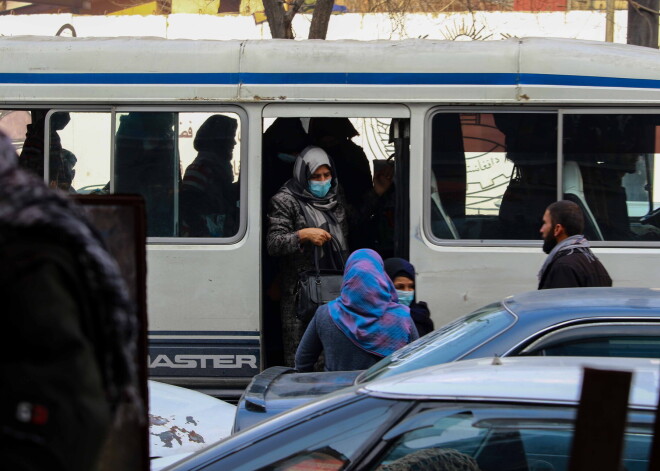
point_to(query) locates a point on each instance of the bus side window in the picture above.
(79, 151)
(14, 123)
(186, 165)
(495, 173)
(209, 197)
(611, 156)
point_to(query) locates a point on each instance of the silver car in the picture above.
(497, 414)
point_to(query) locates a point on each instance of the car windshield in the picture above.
(504, 438)
(449, 343)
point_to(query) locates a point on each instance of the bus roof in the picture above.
(512, 71)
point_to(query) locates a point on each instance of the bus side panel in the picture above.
(204, 311)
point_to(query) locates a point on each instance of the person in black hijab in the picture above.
(402, 274)
(282, 142)
(209, 195)
(66, 310)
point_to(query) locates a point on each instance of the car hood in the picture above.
(183, 421)
(280, 389)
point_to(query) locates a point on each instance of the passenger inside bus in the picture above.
(606, 148)
(387, 230)
(351, 166)
(282, 142)
(209, 196)
(32, 155)
(531, 145)
(145, 156)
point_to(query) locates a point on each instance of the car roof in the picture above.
(552, 380)
(586, 302)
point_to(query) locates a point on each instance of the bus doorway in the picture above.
(362, 150)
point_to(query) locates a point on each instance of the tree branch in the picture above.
(640, 7)
(293, 9)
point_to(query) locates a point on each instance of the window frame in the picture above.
(560, 156)
(560, 112)
(242, 117)
(70, 109)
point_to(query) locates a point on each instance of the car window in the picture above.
(446, 344)
(600, 339)
(616, 346)
(487, 438)
(329, 441)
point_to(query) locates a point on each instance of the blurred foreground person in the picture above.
(66, 347)
(363, 325)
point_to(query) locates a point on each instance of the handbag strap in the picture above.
(316, 261)
(336, 252)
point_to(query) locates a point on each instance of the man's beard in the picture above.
(549, 242)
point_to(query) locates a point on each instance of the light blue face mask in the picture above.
(320, 189)
(288, 158)
(405, 297)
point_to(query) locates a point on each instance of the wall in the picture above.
(458, 26)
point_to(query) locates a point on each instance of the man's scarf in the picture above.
(576, 243)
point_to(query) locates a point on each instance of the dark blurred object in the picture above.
(68, 310)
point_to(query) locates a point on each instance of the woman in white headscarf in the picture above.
(307, 212)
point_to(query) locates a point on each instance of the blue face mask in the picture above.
(320, 189)
(405, 297)
(288, 158)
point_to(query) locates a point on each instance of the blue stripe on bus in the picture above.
(325, 79)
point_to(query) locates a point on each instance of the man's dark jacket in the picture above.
(574, 269)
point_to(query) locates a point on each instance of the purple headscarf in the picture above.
(367, 311)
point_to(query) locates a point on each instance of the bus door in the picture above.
(361, 140)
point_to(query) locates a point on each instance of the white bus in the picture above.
(484, 135)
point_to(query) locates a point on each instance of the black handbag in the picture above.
(317, 287)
